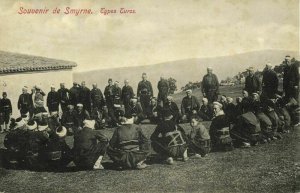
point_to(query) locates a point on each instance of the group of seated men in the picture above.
(39, 143)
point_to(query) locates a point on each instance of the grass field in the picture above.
(273, 167)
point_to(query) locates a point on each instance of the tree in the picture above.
(172, 85)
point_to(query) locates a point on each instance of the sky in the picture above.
(159, 31)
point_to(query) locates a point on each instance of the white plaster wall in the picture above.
(13, 83)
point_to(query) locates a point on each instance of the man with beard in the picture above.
(210, 86)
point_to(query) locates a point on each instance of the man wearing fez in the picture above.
(53, 100)
(163, 90)
(252, 82)
(127, 95)
(210, 86)
(85, 96)
(25, 101)
(145, 92)
(290, 78)
(63, 94)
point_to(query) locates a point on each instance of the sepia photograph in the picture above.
(149, 96)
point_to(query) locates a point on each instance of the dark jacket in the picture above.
(97, 98)
(25, 101)
(74, 95)
(270, 81)
(189, 104)
(129, 137)
(164, 127)
(144, 87)
(86, 139)
(206, 112)
(127, 94)
(53, 101)
(63, 94)
(85, 98)
(252, 84)
(163, 89)
(5, 106)
(210, 83)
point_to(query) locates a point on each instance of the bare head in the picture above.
(110, 81)
(250, 71)
(94, 85)
(287, 59)
(126, 82)
(245, 93)
(83, 83)
(194, 122)
(209, 70)
(144, 76)
(62, 85)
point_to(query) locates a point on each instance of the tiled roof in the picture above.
(15, 63)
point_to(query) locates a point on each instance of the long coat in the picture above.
(189, 104)
(88, 146)
(270, 82)
(97, 98)
(128, 146)
(290, 80)
(252, 84)
(53, 101)
(163, 90)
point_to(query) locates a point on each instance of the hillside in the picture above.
(186, 70)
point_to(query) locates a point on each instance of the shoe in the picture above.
(170, 161)
(264, 141)
(185, 156)
(141, 166)
(98, 165)
(198, 156)
(245, 145)
(274, 138)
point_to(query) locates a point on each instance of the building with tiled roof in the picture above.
(19, 70)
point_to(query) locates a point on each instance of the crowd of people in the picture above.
(37, 139)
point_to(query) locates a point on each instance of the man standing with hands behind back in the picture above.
(210, 86)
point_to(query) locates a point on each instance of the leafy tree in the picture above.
(172, 85)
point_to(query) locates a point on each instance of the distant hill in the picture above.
(186, 70)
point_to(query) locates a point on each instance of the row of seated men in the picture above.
(34, 145)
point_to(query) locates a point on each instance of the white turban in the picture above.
(89, 124)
